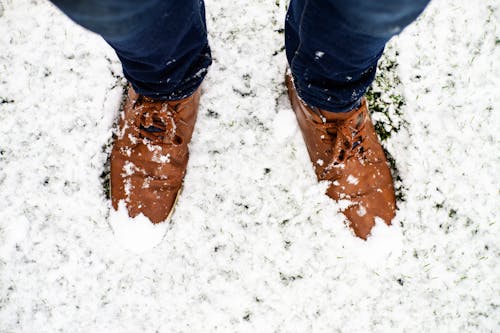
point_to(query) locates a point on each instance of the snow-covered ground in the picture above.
(254, 244)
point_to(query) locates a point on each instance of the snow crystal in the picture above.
(352, 180)
(319, 54)
(361, 210)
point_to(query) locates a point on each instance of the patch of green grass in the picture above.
(386, 102)
(385, 98)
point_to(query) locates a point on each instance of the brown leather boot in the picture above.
(345, 150)
(150, 154)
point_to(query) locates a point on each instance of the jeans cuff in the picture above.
(316, 97)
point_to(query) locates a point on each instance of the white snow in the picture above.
(361, 210)
(319, 54)
(135, 234)
(352, 180)
(254, 244)
(285, 126)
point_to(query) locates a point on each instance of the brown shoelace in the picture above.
(340, 138)
(157, 126)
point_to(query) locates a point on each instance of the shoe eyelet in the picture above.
(341, 155)
(358, 141)
(177, 140)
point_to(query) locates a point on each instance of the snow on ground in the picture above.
(254, 245)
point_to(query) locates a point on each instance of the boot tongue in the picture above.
(335, 116)
(152, 124)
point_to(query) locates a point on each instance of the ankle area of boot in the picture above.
(330, 116)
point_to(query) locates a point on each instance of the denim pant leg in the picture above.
(162, 44)
(333, 46)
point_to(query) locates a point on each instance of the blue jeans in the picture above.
(332, 46)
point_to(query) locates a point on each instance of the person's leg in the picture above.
(165, 55)
(333, 46)
(162, 44)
